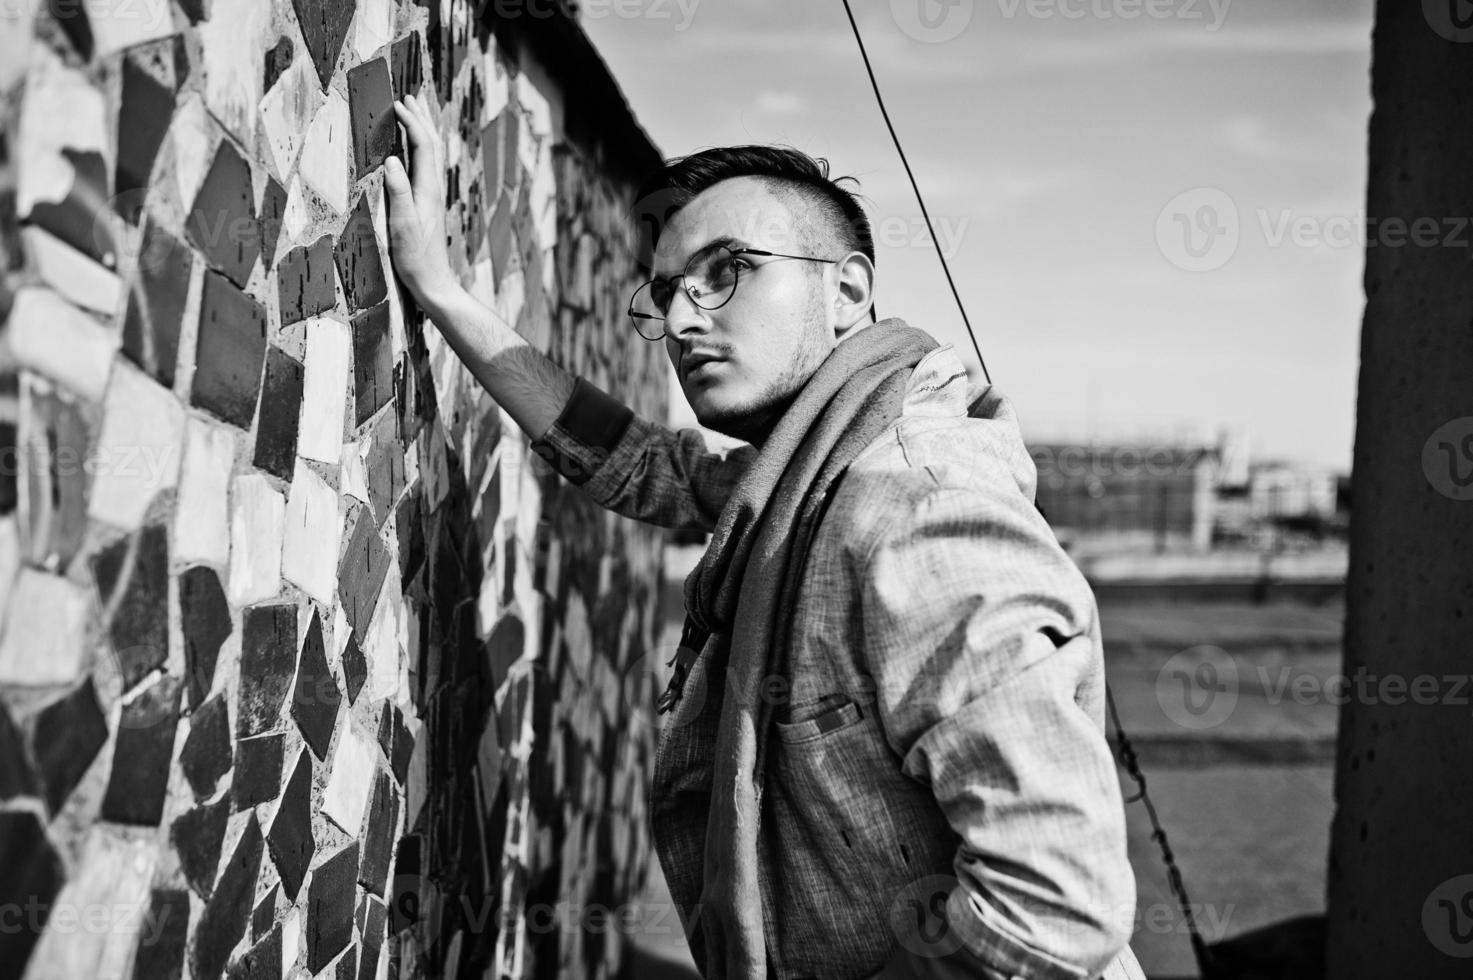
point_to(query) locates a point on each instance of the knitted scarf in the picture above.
(746, 586)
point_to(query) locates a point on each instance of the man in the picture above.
(884, 755)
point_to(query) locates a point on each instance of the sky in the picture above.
(1153, 209)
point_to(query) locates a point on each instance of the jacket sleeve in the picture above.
(982, 639)
(637, 468)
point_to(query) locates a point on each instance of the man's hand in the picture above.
(417, 211)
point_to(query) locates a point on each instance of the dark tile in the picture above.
(223, 921)
(330, 907)
(74, 23)
(490, 515)
(281, 405)
(347, 965)
(196, 835)
(80, 218)
(504, 648)
(316, 697)
(290, 840)
(67, 736)
(258, 763)
(395, 741)
(16, 775)
(361, 570)
(273, 211)
(378, 845)
(222, 221)
(491, 143)
(385, 468)
(206, 753)
(375, 130)
(278, 60)
(305, 281)
(139, 628)
(194, 10)
(232, 347)
(143, 119)
(205, 615)
(261, 962)
(268, 657)
(142, 752)
(373, 362)
(160, 953)
(406, 65)
(404, 903)
(9, 488)
(371, 936)
(33, 877)
(499, 231)
(265, 915)
(355, 668)
(359, 264)
(324, 26)
(409, 528)
(156, 298)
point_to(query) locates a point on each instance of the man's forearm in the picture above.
(521, 379)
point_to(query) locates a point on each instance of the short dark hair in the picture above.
(801, 180)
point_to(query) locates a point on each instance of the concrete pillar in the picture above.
(1401, 867)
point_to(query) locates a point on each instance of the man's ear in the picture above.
(855, 297)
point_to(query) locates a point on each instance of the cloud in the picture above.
(777, 103)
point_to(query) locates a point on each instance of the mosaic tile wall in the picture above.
(307, 666)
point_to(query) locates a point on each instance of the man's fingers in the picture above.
(421, 140)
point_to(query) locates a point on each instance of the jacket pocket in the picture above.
(834, 713)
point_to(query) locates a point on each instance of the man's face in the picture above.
(774, 331)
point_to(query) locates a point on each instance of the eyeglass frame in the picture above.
(703, 250)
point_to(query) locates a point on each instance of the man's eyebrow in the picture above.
(720, 241)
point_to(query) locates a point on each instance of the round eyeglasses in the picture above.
(710, 280)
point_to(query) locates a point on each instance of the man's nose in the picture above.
(684, 315)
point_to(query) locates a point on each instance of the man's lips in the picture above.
(692, 363)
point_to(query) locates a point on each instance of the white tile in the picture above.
(75, 276)
(340, 633)
(192, 136)
(138, 450)
(46, 630)
(324, 389)
(17, 22)
(61, 109)
(257, 521)
(374, 27)
(313, 528)
(326, 152)
(291, 940)
(295, 218)
(55, 339)
(287, 110)
(116, 26)
(202, 515)
(432, 465)
(107, 897)
(381, 644)
(354, 474)
(233, 47)
(353, 769)
(9, 563)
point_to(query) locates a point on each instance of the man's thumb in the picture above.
(396, 179)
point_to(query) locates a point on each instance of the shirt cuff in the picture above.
(584, 434)
(990, 944)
